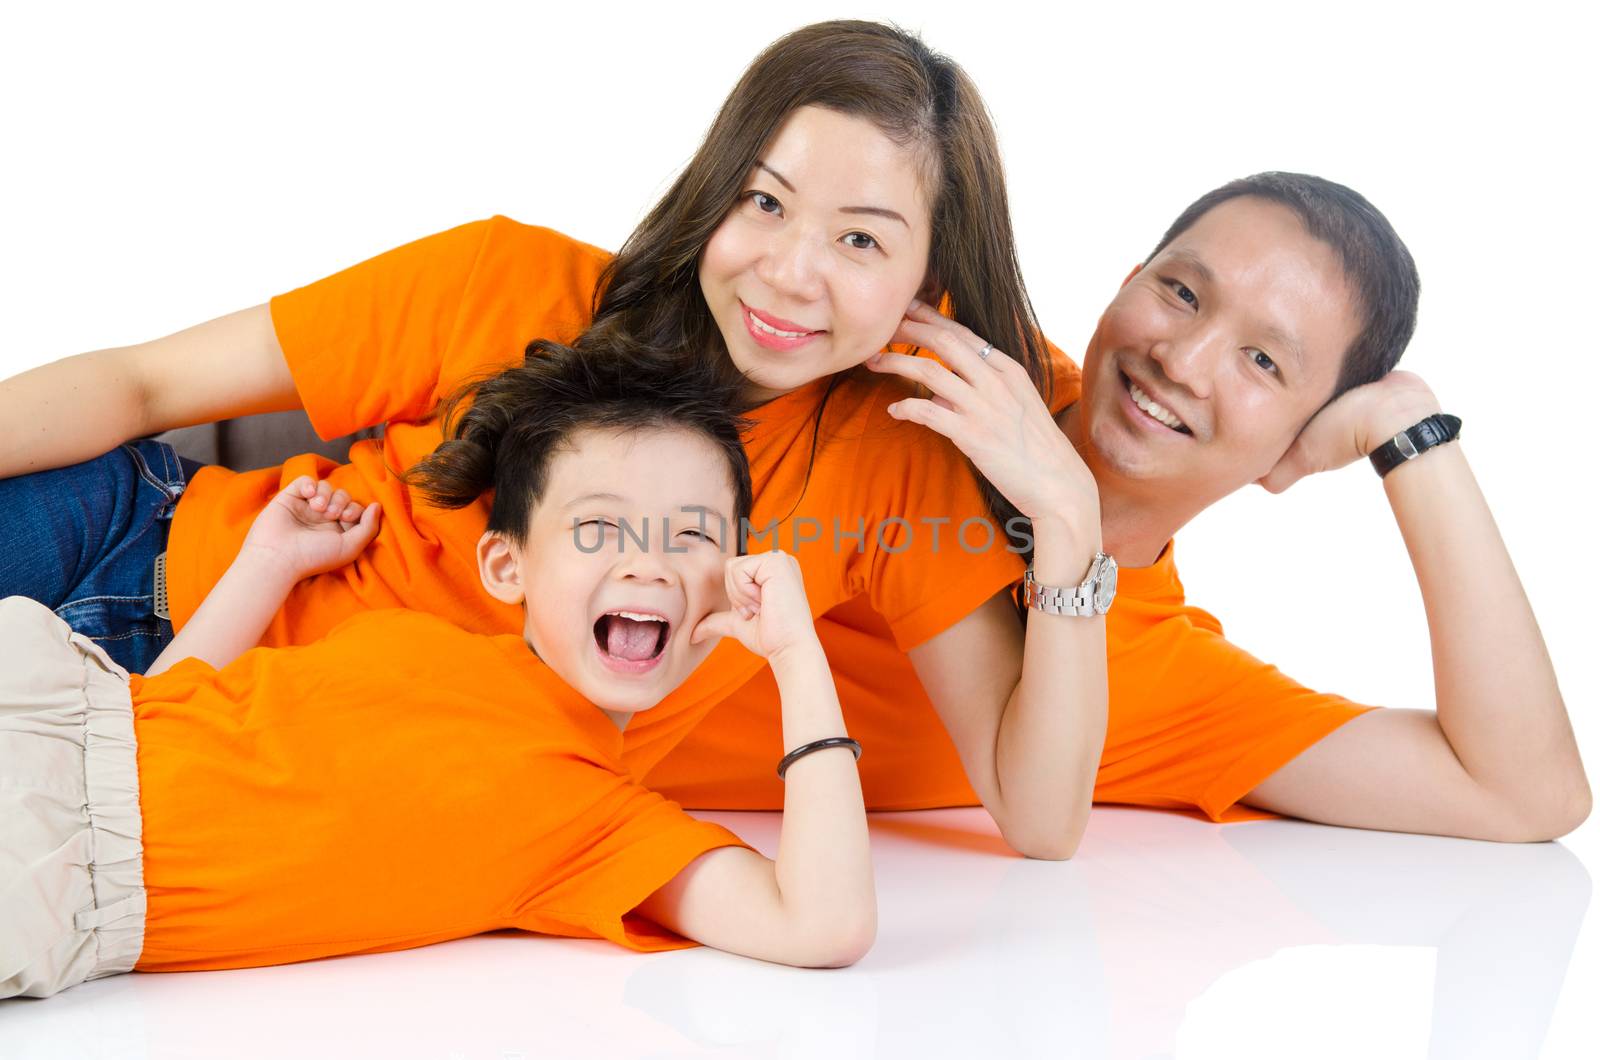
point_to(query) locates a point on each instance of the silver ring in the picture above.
(984, 353)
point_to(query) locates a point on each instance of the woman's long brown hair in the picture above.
(649, 296)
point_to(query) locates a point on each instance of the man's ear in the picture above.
(499, 568)
(1129, 278)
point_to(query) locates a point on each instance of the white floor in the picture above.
(1164, 937)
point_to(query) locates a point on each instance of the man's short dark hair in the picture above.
(1376, 263)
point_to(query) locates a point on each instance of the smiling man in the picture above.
(1256, 344)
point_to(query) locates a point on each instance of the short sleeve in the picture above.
(1195, 720)
(645, 844)
(365, 345)
(936, 552)
(390, 338)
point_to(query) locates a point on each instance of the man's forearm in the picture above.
(1047, 751)
(1498, 702)
(233, 616)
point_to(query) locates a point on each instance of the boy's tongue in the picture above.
(631, 639)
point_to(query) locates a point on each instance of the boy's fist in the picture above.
(769, 612)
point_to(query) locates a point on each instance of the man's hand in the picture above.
(309, 528)
(1353, 426)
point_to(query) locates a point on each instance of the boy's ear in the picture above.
(498, 568)
(1134, 272)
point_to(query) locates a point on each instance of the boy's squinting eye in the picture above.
(698, 535)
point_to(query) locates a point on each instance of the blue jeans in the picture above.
(83, 541)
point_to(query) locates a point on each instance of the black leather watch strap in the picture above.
(1414, 441)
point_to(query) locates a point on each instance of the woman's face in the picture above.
(813, 268)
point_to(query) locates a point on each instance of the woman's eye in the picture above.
(860, 241)
(765, 203)
(1264, 362)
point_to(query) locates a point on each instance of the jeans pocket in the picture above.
(169, 481)
(127, 627)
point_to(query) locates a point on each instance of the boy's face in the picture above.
(625, 554)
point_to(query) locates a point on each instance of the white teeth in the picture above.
(637, 617)
(763, 326)
(1149, 405)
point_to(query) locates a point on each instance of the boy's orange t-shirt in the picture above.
(397, 783)
(388, 339)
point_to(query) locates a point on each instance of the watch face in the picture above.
(1105, 586)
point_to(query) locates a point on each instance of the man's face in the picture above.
(619, 565)
(1213, 355)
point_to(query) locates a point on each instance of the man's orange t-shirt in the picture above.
(387, 340)
(397, 783)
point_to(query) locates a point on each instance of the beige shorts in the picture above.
(72, 897)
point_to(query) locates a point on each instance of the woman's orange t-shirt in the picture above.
(397, 783)
(1193, 721)
(387, 340)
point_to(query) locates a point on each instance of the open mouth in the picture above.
(631, 641)
(1152, 408)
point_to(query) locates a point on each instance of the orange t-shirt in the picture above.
(398, 783)
(386, 340)
(1194, 722)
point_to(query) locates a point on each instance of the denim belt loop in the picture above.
(162, 609)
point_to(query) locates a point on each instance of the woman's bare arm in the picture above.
(76, 408)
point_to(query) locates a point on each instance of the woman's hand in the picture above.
(769, 614)
(309, 528)
(990, 409)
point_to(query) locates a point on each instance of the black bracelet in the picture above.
(817, 745)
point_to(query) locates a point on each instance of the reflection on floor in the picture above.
(1165, 936)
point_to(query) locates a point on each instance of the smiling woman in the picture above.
(851, 170)
(853, 255)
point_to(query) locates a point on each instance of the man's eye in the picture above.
(860, 241)
(1264, 362)
(1184, 293)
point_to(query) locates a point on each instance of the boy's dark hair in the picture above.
(502, 431)
(1376, 263)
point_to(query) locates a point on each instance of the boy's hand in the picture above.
(770, 614)
(309, 528)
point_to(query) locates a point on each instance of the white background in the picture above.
(163, 164)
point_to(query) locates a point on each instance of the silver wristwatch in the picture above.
(1092, 597)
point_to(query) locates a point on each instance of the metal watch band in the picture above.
(1088, 599)
(1412, 442)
